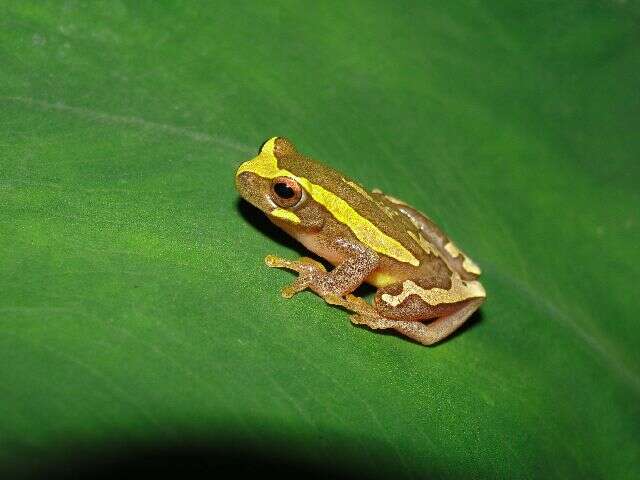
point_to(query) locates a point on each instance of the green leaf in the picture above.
(135, 308)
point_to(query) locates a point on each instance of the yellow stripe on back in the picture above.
(266, 166)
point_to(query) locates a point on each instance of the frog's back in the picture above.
(410, 243)
(433, 239)
(388, 231)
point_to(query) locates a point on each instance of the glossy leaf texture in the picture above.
(136, 314)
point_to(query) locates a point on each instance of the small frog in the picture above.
(427, 287)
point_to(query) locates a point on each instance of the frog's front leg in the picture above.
(308, 270)
(357, 263)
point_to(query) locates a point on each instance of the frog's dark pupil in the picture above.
(283, 190)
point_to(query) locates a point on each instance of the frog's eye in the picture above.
(286, 192)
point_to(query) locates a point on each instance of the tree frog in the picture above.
(426, 286)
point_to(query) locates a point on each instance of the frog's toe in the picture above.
(312, 263)
(375, 323)
(276, 262)
(332, 299)
(290, 290)
(301, 283)
(287, 292)
(360, 303)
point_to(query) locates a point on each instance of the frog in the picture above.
(426, 287)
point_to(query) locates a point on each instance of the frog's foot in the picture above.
(375, 322)
(351, 303)
(307, 268)
(425, 333)
(416, 330)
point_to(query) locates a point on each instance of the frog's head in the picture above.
(265, 184)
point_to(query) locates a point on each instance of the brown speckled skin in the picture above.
(355, 263)
(437, 238)
(431, 266)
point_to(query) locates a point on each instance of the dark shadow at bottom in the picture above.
(200, 459)
(195, 460)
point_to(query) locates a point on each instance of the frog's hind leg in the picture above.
(425, 333)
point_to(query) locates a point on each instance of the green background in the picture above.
(135, 308)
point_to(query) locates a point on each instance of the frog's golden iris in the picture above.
(286, 192)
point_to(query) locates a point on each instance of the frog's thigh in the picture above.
(433, 332)
(390, 303)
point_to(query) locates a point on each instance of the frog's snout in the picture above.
(242, 179)
(254, 189)
(245, 183)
